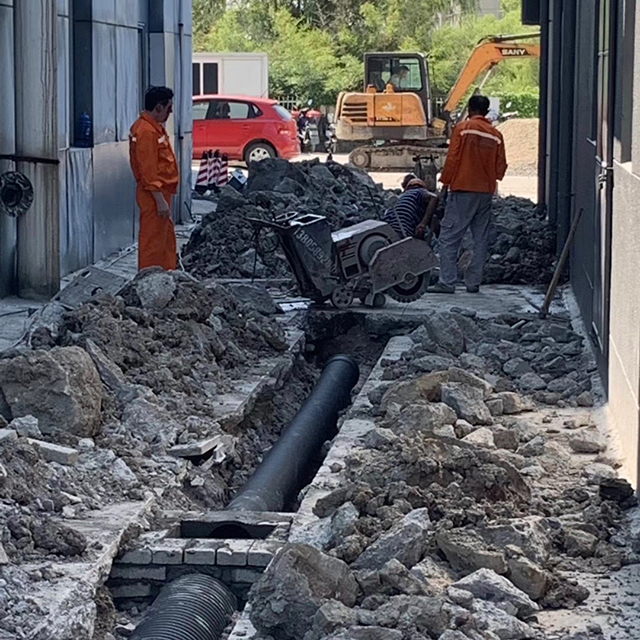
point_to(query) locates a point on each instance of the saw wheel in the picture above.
(341, 297)
(410, 290)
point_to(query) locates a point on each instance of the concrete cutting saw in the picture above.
(364, 261)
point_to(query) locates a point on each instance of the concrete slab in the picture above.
(491, 301)
(14, 316)
(66, 602)
(55, 452)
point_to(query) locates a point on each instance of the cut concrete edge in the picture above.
(325, 480)
(600, 413)
(237, 405)
(86, 582)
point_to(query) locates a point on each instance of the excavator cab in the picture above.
(405, 72)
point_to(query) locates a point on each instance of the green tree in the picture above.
(303, 59)
(316, 47)
(452, 45)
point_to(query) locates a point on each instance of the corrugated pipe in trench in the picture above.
(284, 470)
(193, 607)
(198, 607)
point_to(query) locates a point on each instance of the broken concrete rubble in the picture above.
(299, 580)
(60, 387)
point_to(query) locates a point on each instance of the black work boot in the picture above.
(439, 287)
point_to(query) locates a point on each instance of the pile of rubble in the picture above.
(522, 245)
(94, 412)
(224, 244)
(459, 516)
(544, 359)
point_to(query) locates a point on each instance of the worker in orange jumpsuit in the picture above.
(155, 169)
(475, 162)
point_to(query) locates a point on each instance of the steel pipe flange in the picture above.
(16, 194)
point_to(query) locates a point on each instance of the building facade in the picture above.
(65, 64)
(590, 164)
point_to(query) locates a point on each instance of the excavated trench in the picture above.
(211, 488)
(435, 431)
(459, 474)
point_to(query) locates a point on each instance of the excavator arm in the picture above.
(488, 53)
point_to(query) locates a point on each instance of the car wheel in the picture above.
(259, 151)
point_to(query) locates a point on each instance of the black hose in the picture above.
(286, 467)
(193, 607)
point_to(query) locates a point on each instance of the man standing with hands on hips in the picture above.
(155, 169)
(475, 162)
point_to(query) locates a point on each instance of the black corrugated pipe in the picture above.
(193, 607)
(285, 468)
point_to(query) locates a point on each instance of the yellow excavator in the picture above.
(392, 125)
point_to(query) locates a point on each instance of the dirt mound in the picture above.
(521, 144)
(224, 244)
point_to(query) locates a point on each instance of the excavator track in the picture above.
(395, 157)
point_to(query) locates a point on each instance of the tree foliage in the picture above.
(451, 46)
(316, 47)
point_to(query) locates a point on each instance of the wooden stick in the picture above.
(560, 266)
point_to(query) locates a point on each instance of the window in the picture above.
(404, 73)
(282, 112)
(195, 71)
(210, 78)
(200, 110)
(223, 110)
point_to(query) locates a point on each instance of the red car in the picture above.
(244, 128)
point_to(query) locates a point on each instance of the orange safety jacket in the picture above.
(155, 168)
(476, 159)
(152, 159)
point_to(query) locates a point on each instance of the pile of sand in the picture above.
(521, 143)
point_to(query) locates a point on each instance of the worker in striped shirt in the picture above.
(475, 162)
(413, 212)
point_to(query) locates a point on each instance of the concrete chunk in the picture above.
(234, 553)
(7, 436)
(55, 452)
(133, 572)
(196, 448)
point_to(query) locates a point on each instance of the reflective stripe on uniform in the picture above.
(482, 134)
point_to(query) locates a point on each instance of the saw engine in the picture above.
(364, 261)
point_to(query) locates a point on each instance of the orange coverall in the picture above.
(155, 168)
(476, 157)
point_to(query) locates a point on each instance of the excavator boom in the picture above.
(391, 127)
(488, 53)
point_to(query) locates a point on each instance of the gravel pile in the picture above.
(522, 247)
(89, 413)
(544, 359)
(461, 516)
(521, 145)
(224, 244)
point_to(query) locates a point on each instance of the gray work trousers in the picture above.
(464, 210)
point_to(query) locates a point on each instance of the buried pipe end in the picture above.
(193, 607)
(355, 369)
